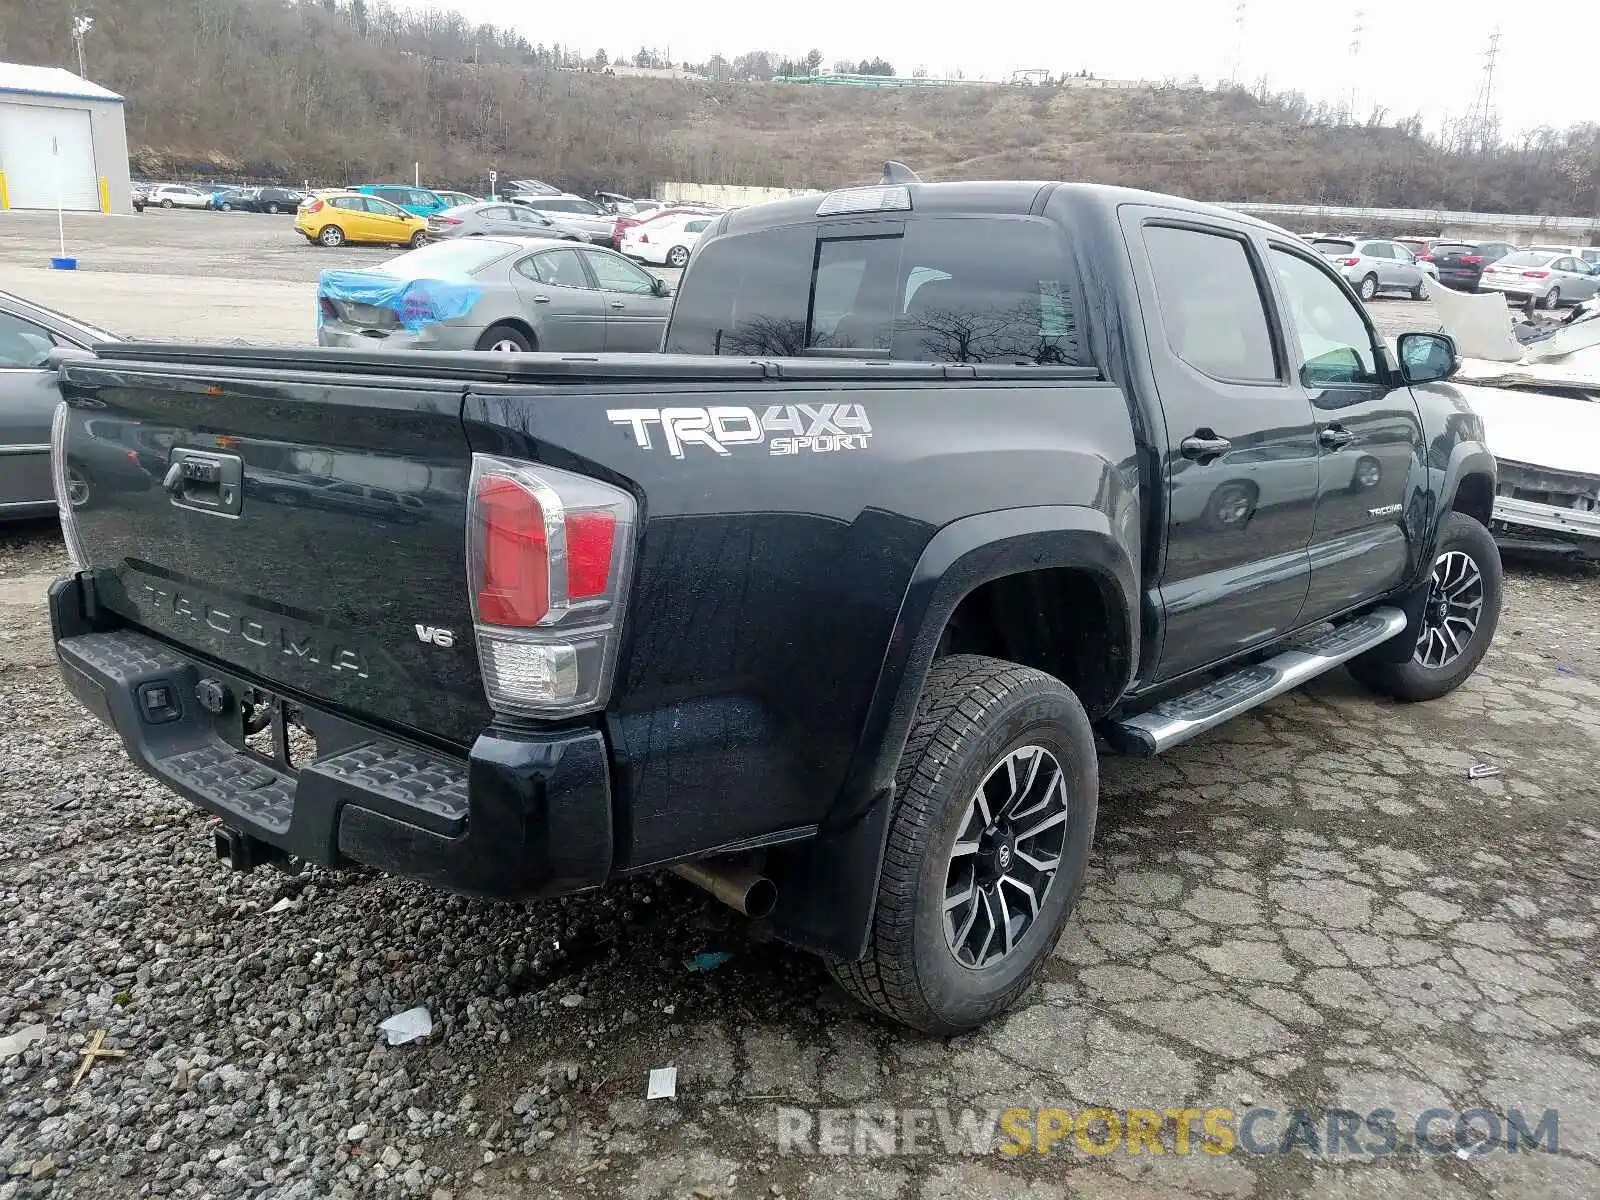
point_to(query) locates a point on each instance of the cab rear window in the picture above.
(948, 289)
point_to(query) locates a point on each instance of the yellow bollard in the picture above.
(5, 196)
(105, 196)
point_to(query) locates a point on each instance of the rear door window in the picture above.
(947, 289)
(1211, 306)
(559, 268)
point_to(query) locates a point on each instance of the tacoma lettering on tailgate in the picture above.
(275, 635)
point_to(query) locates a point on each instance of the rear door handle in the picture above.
(541, 299)
(618, 304)
(1202, 446)
(1335, 437)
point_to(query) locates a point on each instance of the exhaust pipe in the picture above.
(740, 887)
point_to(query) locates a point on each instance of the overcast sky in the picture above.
(1417, 56)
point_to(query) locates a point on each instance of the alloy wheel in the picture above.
(1454, 607)
(505, 346)
(77, 490)
(1006, 856)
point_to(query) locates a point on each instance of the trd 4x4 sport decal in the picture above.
(785, 429)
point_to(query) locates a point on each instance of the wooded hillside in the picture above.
(347, 90)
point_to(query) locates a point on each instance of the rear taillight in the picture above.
(1472, 260)
(1424, 258)
(1536, 274)
(1349, 262)
(314, 206)
(548, 556)
(445, 220)
(326, 310)
(643, 236)
(58, 479)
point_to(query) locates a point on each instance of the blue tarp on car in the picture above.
(416, 302)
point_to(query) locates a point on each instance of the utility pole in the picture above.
(1238, 42)
(1482, 131)
(1355, 62)
(80, 27)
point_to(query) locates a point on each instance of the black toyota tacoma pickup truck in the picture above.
(823, 607)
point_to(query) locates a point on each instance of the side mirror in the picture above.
(1427, 357)
(658, 286)
(60, 355)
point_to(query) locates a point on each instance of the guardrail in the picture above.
(1345, 215)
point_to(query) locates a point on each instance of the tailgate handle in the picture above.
(205, 481)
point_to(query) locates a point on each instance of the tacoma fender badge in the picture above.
(1383, 510)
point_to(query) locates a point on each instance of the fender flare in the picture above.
(827, 886)
(1467, 459)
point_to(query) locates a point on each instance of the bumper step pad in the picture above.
(186, 748)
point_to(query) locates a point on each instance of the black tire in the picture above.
(973, 713)
(1552, 299)
(496, 334)
(1369, 288)
(330, 236)
(273, 209)
(677, 257)
(1420, 292)
(226, 206)
(418, 239)
(166, 204)
(1411, 680)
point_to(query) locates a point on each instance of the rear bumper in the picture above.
(429, 337)
(520, 816)
(1489, 284)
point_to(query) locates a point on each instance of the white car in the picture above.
(665, 240)
(179, 195)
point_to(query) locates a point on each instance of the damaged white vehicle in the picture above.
(1540, 404)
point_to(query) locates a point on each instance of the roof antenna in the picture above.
(897, 172)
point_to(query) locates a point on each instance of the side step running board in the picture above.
(1177, 720)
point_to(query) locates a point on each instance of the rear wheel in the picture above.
(1368, 288)
(78, 489)
(331, 236)
(1458, 620)
(995, 804)
(677, 256)
(505, 339)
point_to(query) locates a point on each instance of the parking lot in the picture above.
(1320, 906)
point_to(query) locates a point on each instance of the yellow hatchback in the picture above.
(332, 219)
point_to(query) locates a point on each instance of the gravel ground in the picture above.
(1314, 906)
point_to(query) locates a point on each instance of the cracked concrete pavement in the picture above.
(1312, 908)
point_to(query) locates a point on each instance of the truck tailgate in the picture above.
(306, 529)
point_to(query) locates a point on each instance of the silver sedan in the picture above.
(1543, 278)
(503, 218)
(511, 295)
(28, 398)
